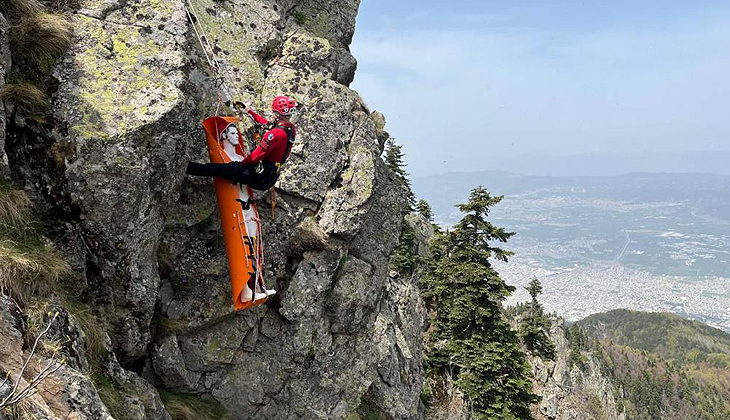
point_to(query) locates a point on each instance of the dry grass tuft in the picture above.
(93, 331)
(25, 96)
(18, 8)
(41, 38)
(173, 326)
(28, 267)
(26, 272)
(180, 411)
(20, 411)
(308, 236)
(14, 207)
(30, 270)
(191, 407)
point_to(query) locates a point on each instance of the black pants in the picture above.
(238, 172)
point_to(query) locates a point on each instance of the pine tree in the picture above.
(470, 336)
(534, 324)
(404, 260)
(394, 160)
(424, 209)
(578, 343)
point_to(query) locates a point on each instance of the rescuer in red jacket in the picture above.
(260, 169)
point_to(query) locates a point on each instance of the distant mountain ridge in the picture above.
(517, 182)
(593, 164)
(445, 190)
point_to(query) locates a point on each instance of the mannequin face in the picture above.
(231, 135)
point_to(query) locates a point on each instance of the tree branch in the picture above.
(28, 390)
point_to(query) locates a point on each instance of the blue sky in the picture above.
(461, 82)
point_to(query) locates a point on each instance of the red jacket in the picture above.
(273, 142)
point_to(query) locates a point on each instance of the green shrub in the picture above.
(299, 17)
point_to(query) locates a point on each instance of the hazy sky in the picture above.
(462, 81)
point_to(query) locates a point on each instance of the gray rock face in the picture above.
(123, 97)
(399, 328)
(146, 240)
(67, 393)
(339, 324)
(333, 20)
(571, 393)
(5, 63)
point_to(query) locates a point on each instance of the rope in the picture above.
(272, 193)
(208, 50)
(215, 65)
(259, 250)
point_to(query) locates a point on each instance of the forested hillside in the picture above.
(667, 335)
(661, 366)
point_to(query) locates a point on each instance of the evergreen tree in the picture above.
(534, 324)
(424, 209)
(578, 343)
(394, 160)
(470, 336)
(404, 260)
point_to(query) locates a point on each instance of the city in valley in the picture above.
(576, 292)
(650, 242)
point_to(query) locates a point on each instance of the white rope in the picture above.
(195, 28)
(208, 50)
(215, 65)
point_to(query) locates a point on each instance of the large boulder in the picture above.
(123, 102)
(338, 322)
(331, 20)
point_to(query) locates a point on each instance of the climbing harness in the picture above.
(289, 143)
(256, 136)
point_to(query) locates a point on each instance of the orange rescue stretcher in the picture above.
(239, 216)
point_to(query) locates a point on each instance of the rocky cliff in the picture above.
(635, 365)
(568, 390)
(106, 170)
(571, 391)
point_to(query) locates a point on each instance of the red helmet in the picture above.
(283, 105)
